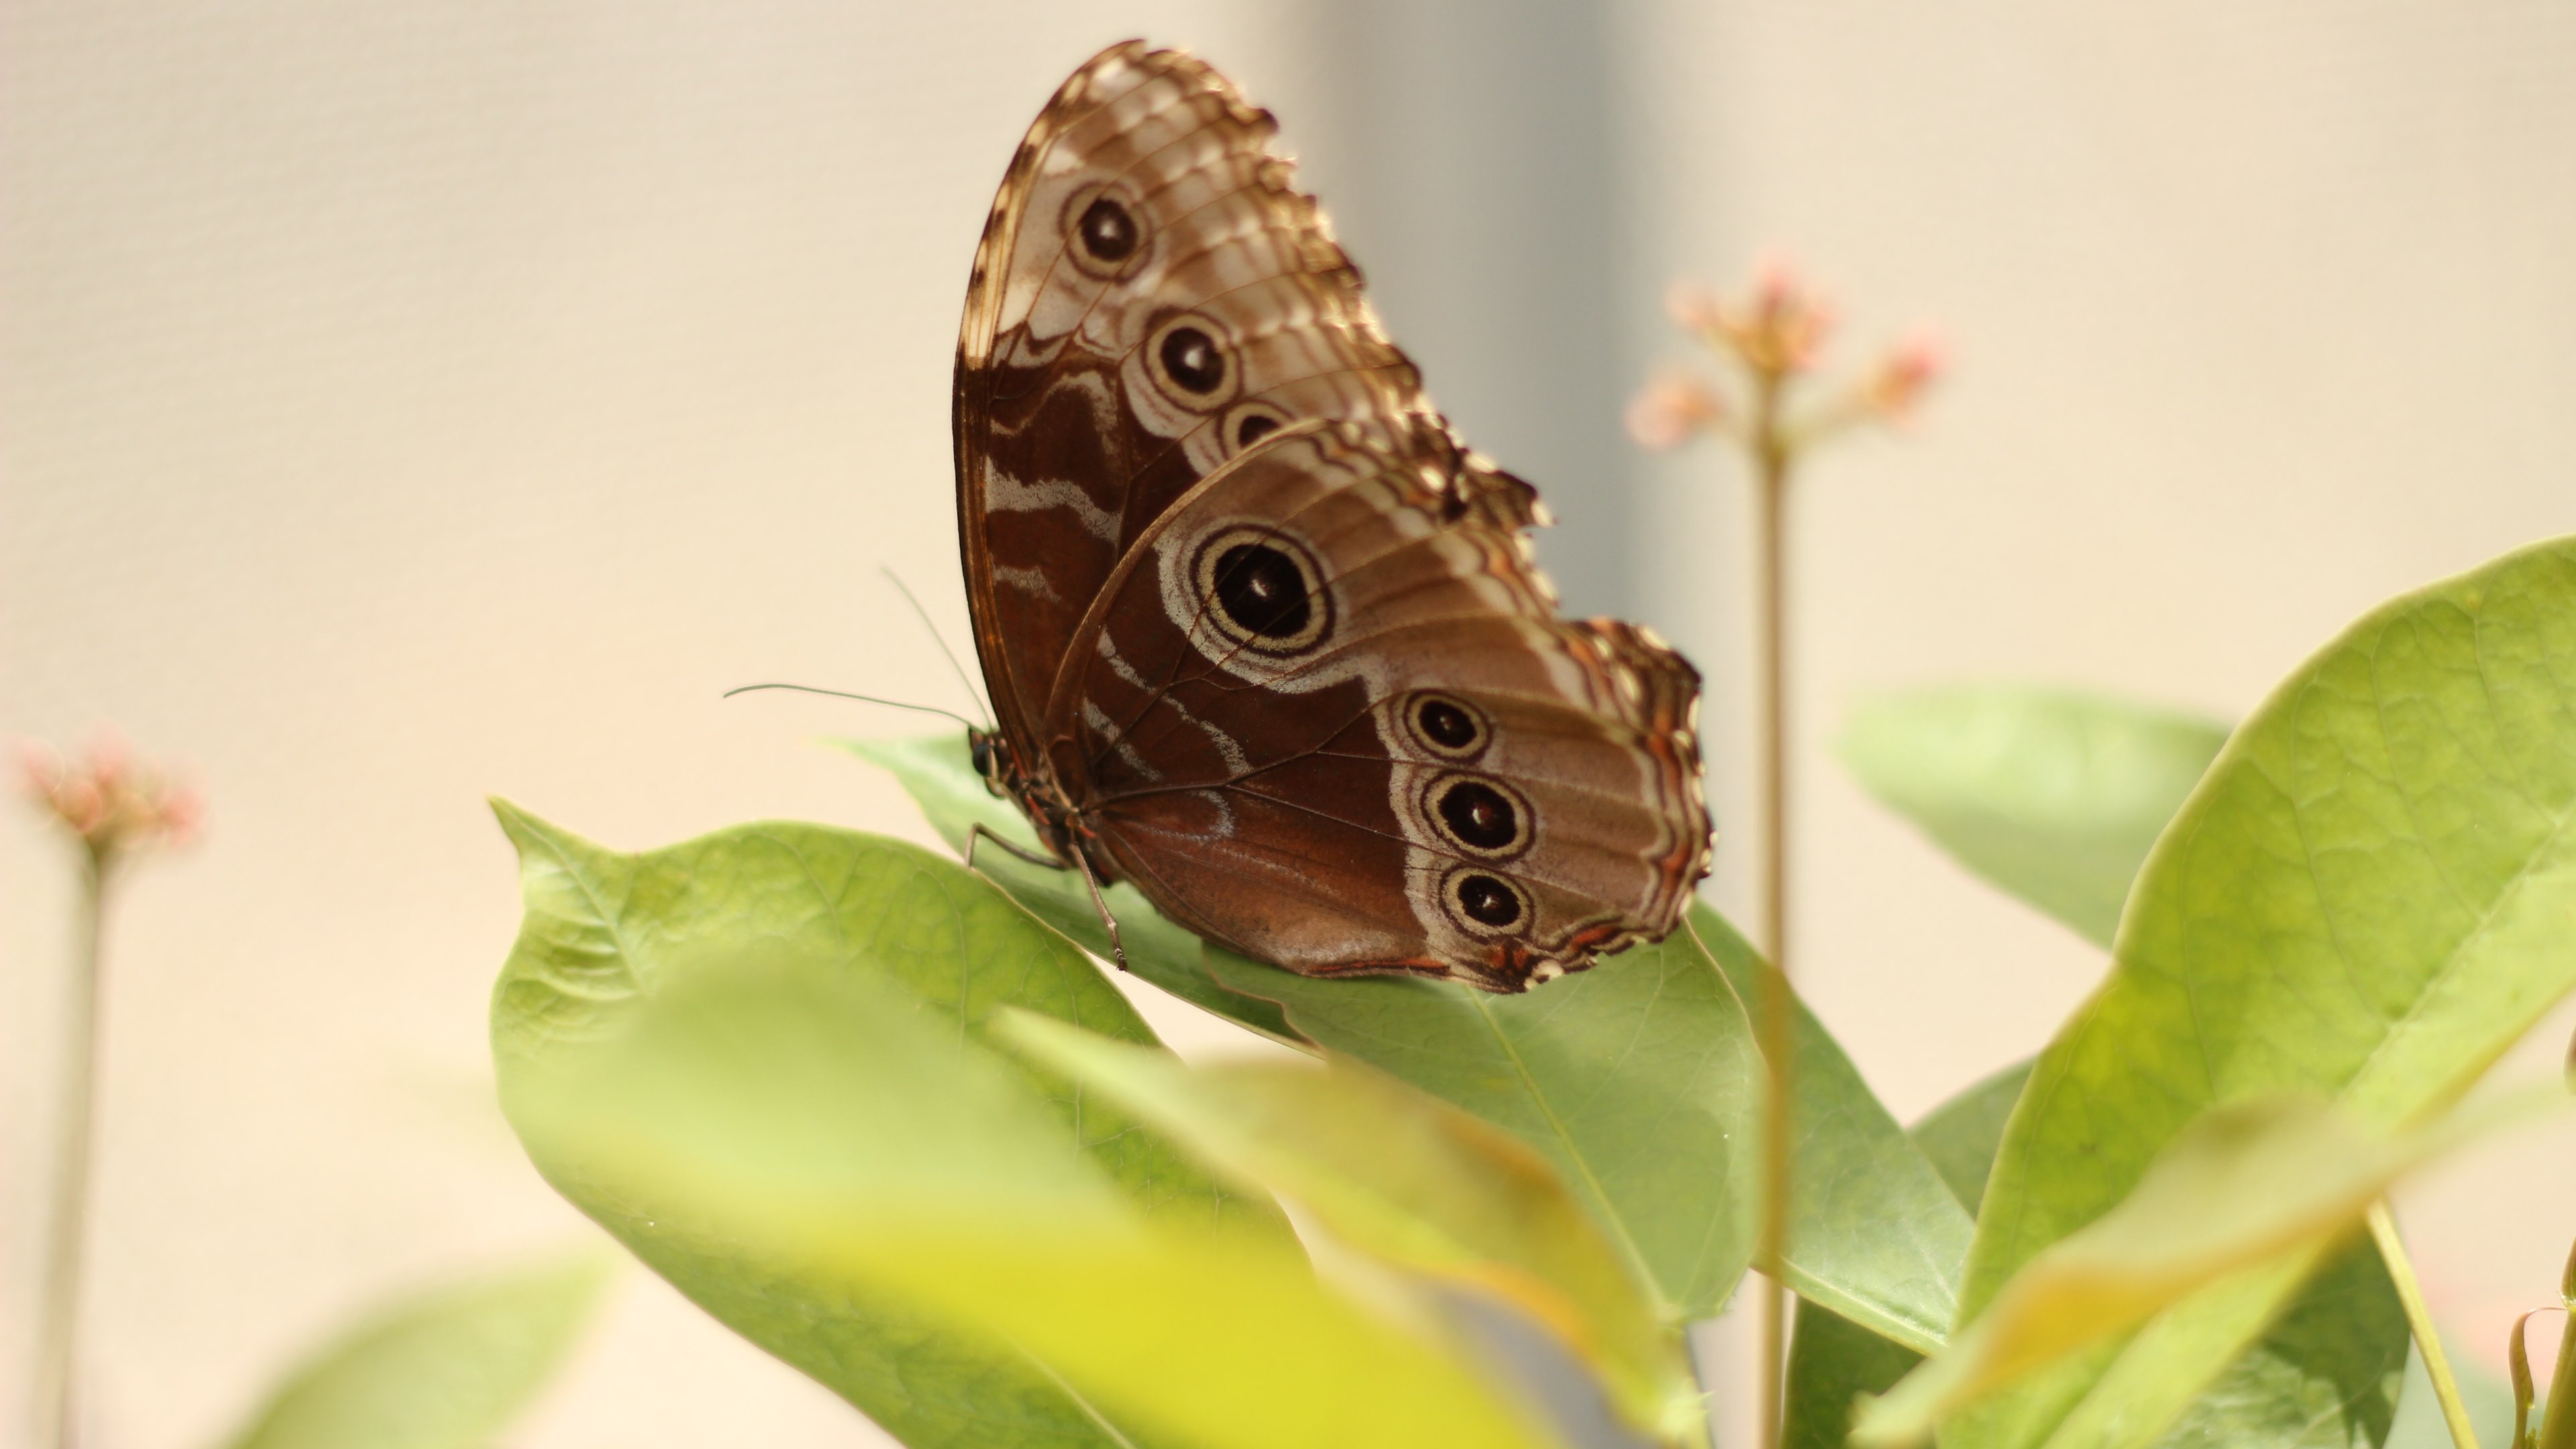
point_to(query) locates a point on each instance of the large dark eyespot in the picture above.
(1263, 591)
(1259, 590)
(1487, 901)
(1446, 726)
(1108, 231)
(1191, 360)
(1478, 815)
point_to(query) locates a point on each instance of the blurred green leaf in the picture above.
(1833, 1364)
(1637, 1080)
(1413, 1181)
(606, 934)
(2247, 1187)
(2050, 795)
(448, 1369)
(841, 1143)
(1640, 1081)
(2325, 1375)
(2369, 896)
(938, 774)
(2321, 1378)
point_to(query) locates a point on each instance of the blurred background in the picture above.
(405, 403)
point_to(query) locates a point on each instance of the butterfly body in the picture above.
(1262, 637)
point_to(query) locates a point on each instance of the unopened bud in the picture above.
(1902, 378)
(1669, 410)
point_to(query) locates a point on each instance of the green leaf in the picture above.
(1418, 1184)
(607, 934)
(1960, 1136)
(1637, 1080)
(2369, 896)
(2247, 1188)
(2050, 795)
(2321, 1378)
(840, 1143)
(1640, 1082)
(2324, 1376)
(446, 1370)
(1834, 1362)
(940, 776)
(1875, 1235)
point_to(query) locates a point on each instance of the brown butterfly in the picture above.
(1261, 636)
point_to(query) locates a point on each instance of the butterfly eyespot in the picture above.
(1105, 232)
(1108, 231)
(1251, 424)
(1259, 588)
(1485, 904)
(1192, 360)
(1480, 816)
(1446, 726)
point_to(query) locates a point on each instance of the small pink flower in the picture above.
(1903, 377)
(1669, 411)
(113, 802)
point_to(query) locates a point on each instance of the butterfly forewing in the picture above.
(1150, 298)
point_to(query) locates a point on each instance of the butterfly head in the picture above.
(991, 757)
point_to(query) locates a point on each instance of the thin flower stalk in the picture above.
(113, 809)
(1770, 343)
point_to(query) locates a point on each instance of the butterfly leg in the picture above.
(1108, 922)
(976, 834)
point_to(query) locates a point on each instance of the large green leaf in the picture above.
(1638, 1080)
(607, 933)
(837, 1141)
(2370, 895)
(1416, 1183)
(2051, 795)
(446, 1370)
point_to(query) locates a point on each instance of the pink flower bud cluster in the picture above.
(115, 803)
(1774, 337)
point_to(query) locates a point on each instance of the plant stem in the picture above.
(1771, 455)
(2558, 1412)
(2428, 1339)
(59, 1322)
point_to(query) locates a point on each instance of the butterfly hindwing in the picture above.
(1338, 720)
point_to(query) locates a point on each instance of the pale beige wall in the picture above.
(401, 403)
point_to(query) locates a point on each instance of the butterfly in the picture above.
(1261, 636)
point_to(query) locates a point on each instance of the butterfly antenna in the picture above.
(937, 638)
(862, 698)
